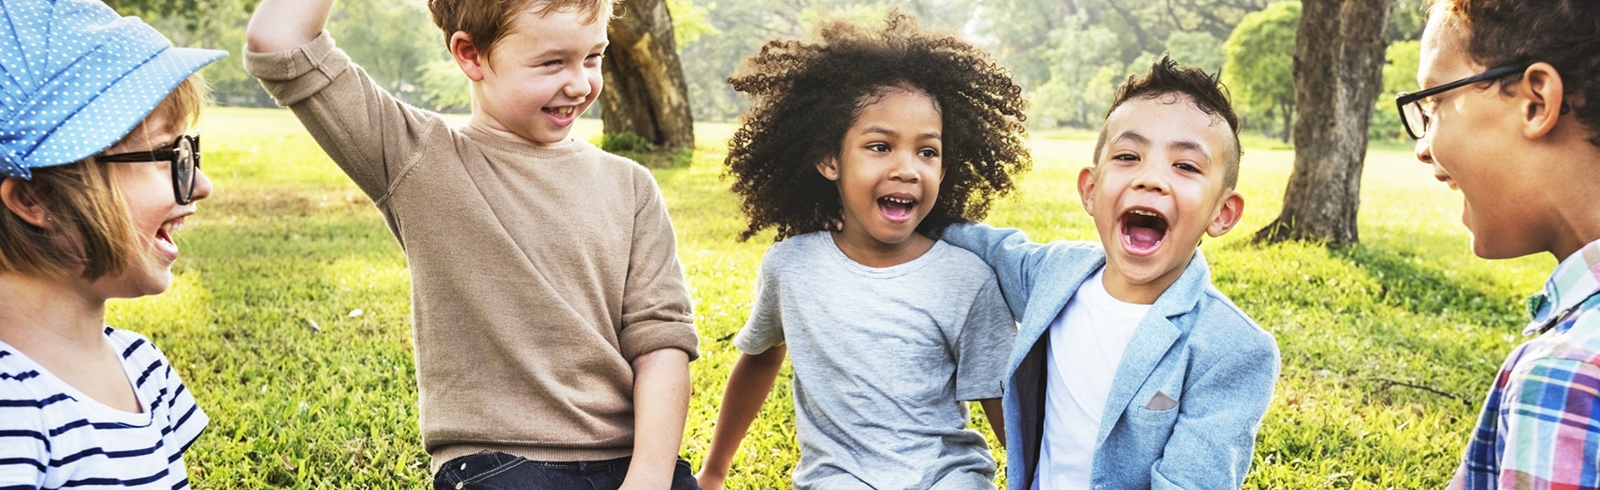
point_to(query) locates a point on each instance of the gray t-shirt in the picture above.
(883, 359)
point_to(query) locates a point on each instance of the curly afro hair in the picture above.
(802, 89)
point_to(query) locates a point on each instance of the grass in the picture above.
(290, 317)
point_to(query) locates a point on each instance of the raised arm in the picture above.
(282, 24)
(748, 386)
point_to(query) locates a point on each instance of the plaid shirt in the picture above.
(1540, 427)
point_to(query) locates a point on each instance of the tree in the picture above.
(1338, 72)
(1259, 70)
(645, 92)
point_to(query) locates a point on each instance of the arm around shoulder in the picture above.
(1213, 441)
(1006, 250)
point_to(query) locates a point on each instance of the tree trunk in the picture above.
(1288, 120)
(645, 93)
(1338, 73)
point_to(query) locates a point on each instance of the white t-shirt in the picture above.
(53, 436)
(1086, 343)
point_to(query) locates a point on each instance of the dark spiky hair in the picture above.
(807, 94)
(1205, 91)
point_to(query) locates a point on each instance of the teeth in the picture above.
(1142, 212)
(897, 200)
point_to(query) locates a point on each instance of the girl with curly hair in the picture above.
(860, 145)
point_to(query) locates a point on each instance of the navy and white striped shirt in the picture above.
(52, 436)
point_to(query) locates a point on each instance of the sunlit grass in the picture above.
(290, 318)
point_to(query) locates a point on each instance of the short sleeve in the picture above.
(985, 348)
(764, 328)
(1548, 421)
(23, 442)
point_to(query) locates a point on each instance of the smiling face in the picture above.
(888, 172)
(1157, 187)
(1473, 144)
(156, 217)
(540, 76)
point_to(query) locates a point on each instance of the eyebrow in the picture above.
(1190, 145)
(561, 51)
(890, 132)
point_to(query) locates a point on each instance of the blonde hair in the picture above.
(92, 230)
(487, 21)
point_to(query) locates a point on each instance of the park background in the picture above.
(290, 315)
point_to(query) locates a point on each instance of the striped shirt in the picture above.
(52, 436)
(1540, 427)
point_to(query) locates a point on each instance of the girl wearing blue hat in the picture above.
(98, 175)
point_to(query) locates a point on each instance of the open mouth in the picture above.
(165, 233)
(897, 207)
(1143, 230)
(563, 112)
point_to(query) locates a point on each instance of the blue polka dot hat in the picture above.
(75, 77)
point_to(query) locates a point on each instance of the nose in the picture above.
(905, 169)
(1150, 178)
(579, 85)
(1424, 149)
(202, 185)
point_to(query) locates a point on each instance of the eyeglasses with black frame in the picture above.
(1415, 117)
(183, 157)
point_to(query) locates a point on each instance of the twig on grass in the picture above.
(1389, 383)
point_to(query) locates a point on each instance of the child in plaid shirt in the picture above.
(1508, 115)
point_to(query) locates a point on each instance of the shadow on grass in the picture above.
(1408, 281)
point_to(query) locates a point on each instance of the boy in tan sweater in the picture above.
(551, 320)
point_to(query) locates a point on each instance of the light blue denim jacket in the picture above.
(1194, 346)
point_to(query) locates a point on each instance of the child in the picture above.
(1508, 117)
(859, 146)
(552, 322)
(98, 176)
(1130, 370)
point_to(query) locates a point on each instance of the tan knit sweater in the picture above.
(538, 274)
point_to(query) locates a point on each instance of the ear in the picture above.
(1542, 94)
(829, 168)
(1228, 214)
(467, 56)
(1086, 188)
(19, 199)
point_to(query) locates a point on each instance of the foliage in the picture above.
(1077, 56)
(1198, 50)
(290, 318)
(624, 142)
(1410, 16)
(689, 21)
(395, 42)
(740, 28)
(1260, 65)
(1399, 75)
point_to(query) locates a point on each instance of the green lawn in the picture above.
(289, 318)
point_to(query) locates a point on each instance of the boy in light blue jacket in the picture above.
(1130, 370)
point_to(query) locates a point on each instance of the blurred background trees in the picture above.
(1067, 54)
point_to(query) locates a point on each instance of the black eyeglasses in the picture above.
(183, 156)
(1415, 117)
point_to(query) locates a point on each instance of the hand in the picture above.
(709, 481)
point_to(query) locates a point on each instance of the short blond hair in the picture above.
(488, 21)
(93, 234)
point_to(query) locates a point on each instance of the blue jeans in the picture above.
(496, 471)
